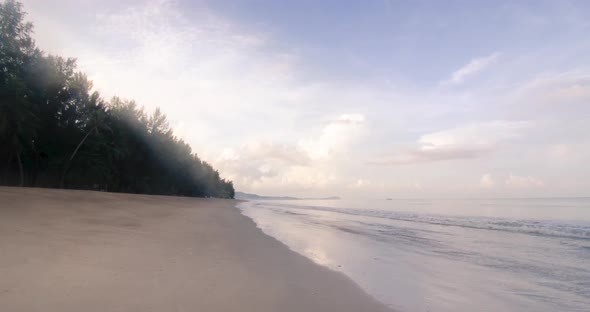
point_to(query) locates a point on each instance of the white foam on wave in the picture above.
(576, 230)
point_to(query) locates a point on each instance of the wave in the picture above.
(525, 226)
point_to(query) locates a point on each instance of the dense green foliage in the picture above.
(56, 132)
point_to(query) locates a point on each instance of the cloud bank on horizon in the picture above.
(333, 98)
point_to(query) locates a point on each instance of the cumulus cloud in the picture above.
(265, 163)
(252, 162)
(284, 153)
(474, 66)
(516, 181)
(294, 180)
(469, 141)
(306, 178)
(336, 135)
(487, 181)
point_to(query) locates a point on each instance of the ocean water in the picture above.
(445, 255)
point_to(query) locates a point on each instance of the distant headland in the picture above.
(248, 196)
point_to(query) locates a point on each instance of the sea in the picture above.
(445, 254)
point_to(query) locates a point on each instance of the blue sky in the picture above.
(352, 98)
(416, 41)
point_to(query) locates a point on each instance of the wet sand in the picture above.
(69, 251)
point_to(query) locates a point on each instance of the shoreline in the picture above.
(70, 250)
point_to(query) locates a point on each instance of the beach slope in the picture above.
(67, 251)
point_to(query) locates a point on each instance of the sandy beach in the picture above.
(64, 250)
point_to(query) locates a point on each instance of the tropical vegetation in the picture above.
(55, 131)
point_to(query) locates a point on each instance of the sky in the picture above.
(358, 99)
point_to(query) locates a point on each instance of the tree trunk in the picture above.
(20, 169)
(35, 170)
(68, 163)
(6, 175)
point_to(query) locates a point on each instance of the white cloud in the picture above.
(307, 177)
(570, 153)
(252, 162)
(487, 181)
(484, 134)
(336, 135)
(426, 154)
(469, 141)
(294, 180)
(563, 88)
(474, 66)
(269, 164)
(368, 184)
(516, 181)
(265, 150)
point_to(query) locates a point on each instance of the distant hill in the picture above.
(248, 196)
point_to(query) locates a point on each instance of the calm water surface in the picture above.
(445, 255)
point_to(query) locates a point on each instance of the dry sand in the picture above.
(89, 251)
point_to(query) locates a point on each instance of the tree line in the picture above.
(55, 131)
